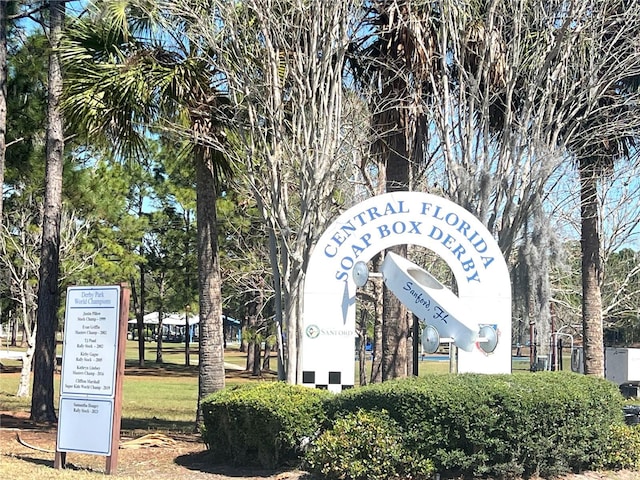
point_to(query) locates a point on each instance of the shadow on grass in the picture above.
(152, 424)
(202, 462)
(34, 460)
(21, 421)
(50, 463)
(151, 369)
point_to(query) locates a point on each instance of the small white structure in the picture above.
(622, 365)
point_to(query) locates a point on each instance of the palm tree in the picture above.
(606, 130)
(396, 62)
(118, 86)
(596, 155)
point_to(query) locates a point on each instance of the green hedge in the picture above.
(622, 450)
(262, 424)
(546, 423)
(365, 445)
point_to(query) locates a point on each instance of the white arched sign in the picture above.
(414, 218)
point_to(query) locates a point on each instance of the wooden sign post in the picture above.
(93, 363)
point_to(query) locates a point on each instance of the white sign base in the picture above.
(79, 420)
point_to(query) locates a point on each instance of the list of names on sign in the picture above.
(90, 341)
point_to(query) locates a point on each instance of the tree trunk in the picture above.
(362, 347)
(256, 367)
(395, 332)
(395, 327)
(3, 95)
(187, 339)
(48, 289)
(376, 362)
(392, 124)
(591, 271)
(14, 331)
(140, 323)
(159, 335)
(27, 361)
(211, 351)
(253, 349)
(266, 361)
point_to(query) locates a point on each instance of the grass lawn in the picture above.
(157, 398)
(164, 396)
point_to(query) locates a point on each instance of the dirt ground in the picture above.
(159, 457)
(140, 455)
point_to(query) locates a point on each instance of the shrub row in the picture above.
(547, 423)
(264, 424)
(505, 425)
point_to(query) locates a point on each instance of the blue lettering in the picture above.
(474, 278)
(468, 265)
(398, 228)
(338, 238)
(487, 261)
(463, 228)
(365, 239)
(436, 214)
(373, 213)
(359, 218)
(436, 233)
(451, 219)
(458, 252)
(448, 240)
(384, 231)
(341, 275)
(347, 228)
(330, 251)
(389, 209)
(481, 247)
(415, 227)
(420, 300)
(346, 263)
(426, 207)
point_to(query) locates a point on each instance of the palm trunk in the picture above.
(211, 352)
(42, 409)
(376, 362)
(362, 347)
(591, 271)
(395, 327)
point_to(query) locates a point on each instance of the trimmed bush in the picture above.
(622, 450)
(263, 424)
(546, 423)
(362, 446)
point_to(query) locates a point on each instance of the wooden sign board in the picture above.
(92, 370)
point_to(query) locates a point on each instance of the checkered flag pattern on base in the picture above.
(331, 381)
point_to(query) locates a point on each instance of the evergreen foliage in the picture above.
(499, 426)
(266, 423)
(505, 425)
(363, 445)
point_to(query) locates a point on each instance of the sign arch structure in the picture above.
(380, 222)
